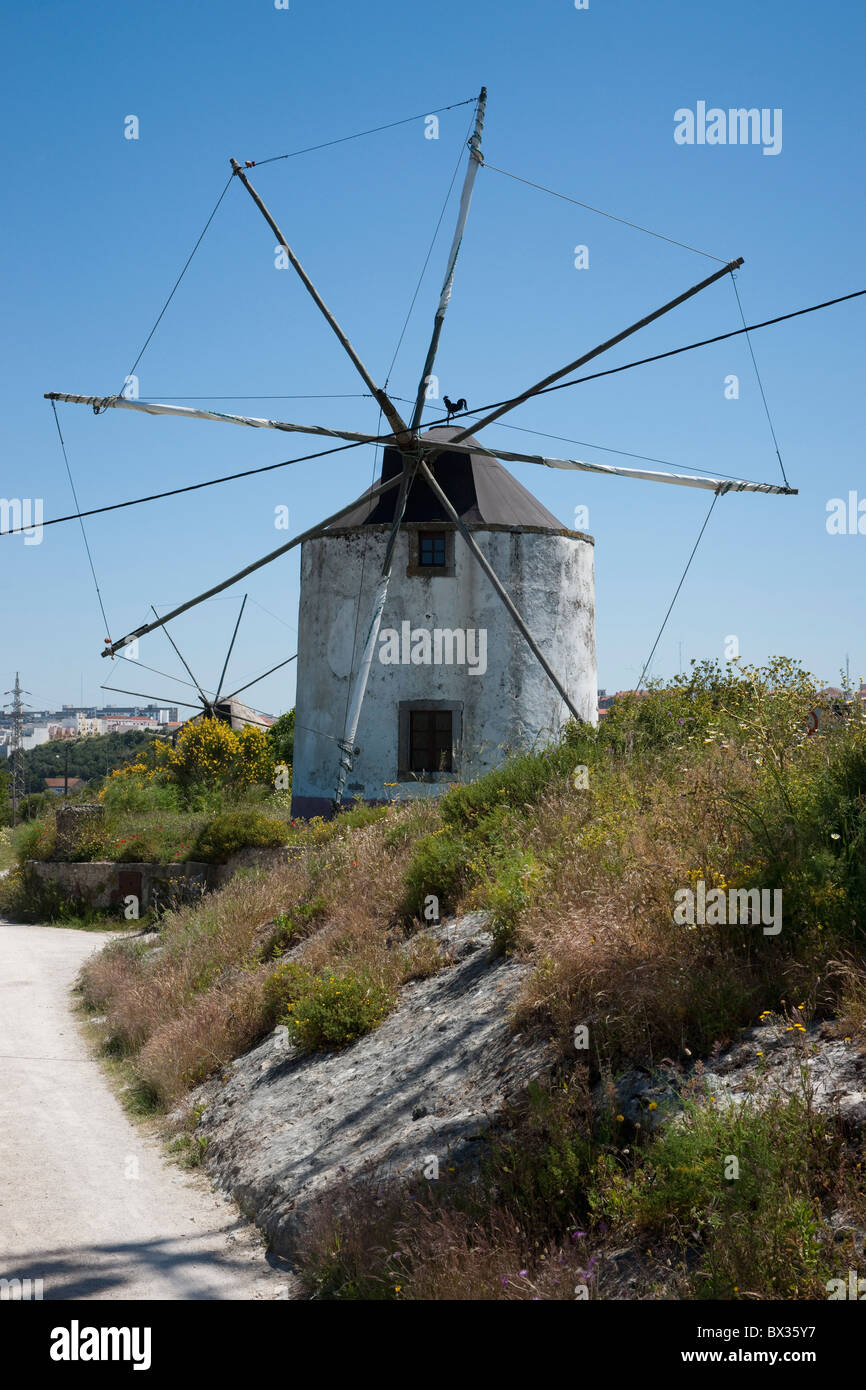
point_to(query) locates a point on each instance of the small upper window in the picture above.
(431, 549)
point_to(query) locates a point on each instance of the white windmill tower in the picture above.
(504, 548)
(453, 687)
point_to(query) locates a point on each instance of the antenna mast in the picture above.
(17, 708)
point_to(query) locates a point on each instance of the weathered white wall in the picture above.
(511, 706)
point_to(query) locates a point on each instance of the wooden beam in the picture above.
(602, 347)
(488, 569)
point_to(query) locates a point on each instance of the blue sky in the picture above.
(97, 228)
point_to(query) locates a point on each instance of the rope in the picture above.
(674, 352)
(320, 396)
(178, 280)
(80, 514)
(257, 163)
(625, 222)
(176, 491)
(758, 378)
(716, 496)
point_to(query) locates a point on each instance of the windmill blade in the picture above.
(485, 564)
(186, 412)
(249, 569)
(142, 696)
(699, 480)
(131, 661)
(353, 712)
(205, 701)
(278, 667)
(389, 410)
(475, 160)
(602, 347)
(229, 652)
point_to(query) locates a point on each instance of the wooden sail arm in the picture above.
(112, 647)
(475, 161)
(650, 475)
(602, 347)
(516, 617)
(186, 412)
(509, 456)
(389, 410)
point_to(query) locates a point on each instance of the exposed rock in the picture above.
(773, 1059)
(419, 1092)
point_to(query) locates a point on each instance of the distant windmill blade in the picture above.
(204, 698)
(597, 351)
(229, 652)
(257, 564)
(156, 698)
(278, 667)
(133, 661)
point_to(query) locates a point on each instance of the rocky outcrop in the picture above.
(286, 1128)
(777, 1058)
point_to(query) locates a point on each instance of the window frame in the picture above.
(405, 709)
(414, 568)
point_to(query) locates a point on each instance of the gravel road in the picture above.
(88, 1203)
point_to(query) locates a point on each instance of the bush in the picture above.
(761, 1229)
(236, 830)
(35, 840)
(327, 1011)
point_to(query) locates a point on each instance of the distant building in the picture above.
(123, 723)
(605, 701)
(57, 786)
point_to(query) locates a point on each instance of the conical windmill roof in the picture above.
(478, 487)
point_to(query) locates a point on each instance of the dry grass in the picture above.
(200, 1000)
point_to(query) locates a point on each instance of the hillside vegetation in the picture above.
(204, 797)
(576, 853)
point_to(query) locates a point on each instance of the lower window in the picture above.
(429, 739)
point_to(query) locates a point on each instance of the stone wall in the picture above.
(106, 883)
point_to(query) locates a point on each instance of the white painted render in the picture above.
(511, 706)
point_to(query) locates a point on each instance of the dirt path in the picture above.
(88, 1204)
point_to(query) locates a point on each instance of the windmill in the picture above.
(226, 709)
(418, 454)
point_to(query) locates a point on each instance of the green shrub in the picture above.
(35, 840)
(519, 783)
(760, 1224)
(233, 831)
(327, 1011)
(509, 895)
(122, 795)
(439, 865)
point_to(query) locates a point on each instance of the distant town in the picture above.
(77, 721)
